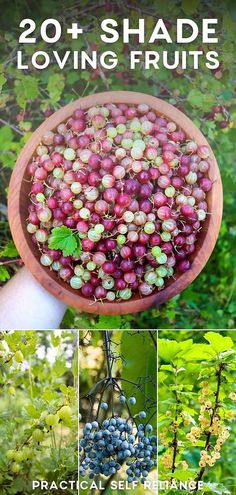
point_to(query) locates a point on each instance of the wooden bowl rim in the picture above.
(62, 290)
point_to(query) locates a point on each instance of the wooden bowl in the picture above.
(18, 210)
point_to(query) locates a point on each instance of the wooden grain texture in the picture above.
(18, 210)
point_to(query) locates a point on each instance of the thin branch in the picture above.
(107, 345)
(214, 411)
(175, 439)
(153, 338)
(13, 127)
(10, 262)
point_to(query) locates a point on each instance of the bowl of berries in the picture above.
(115, 202)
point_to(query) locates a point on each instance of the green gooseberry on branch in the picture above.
(11, 390)
(38, 435)
(19, 358)
(27, 453)
(18, 456)
(10, 454)
(65, 413)
(2, 348)
(15, 467)
(51, 420)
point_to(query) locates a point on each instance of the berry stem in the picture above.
(127, 405)
(216, 405)
(153, 338)
(175, 439)
(107, 343)
(13, 127)
(10, 262)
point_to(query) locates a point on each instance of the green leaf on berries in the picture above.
(66, 240)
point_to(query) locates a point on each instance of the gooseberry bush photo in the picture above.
(197, 411)
(38, 411)
(118, 401)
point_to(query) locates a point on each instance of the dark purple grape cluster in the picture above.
(105, 447)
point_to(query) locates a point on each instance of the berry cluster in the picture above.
(48, 421)
(211, 426)
(128, 189)
(18, 456)
(209, 457)
(104, 448)
(167, 462)
(221, 114)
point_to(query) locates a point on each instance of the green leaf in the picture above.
(32, 411)
(195, 98)
(55, 86)
(200, 352)
(218, 342)
(215, 488)
(170, 349)
(4, 274)
(50, 395)
(6, 137)
(9, 250)
(66, 240)
(182, 475)
(167, 367)
(189, 7)
(2, 81)
(55, 339)
(59, 367)
(112, 321)
(162, 376)
(75, 365)
(167, 349)
(26, 89)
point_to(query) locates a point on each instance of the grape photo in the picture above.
(38, 411)
(118, 401)
(197, 411)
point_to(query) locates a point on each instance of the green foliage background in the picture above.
(30, 95)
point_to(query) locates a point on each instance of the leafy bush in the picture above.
(197, 409)
(38, 409)
(206, 96)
